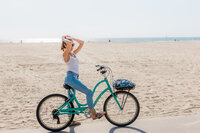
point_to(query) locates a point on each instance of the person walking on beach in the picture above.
(71, 79)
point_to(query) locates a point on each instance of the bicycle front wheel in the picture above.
(46, 113)
(129, 112)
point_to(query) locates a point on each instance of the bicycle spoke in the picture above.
(46, 113)
(128, 113)
(124, 101)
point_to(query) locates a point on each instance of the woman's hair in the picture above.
(64, 44)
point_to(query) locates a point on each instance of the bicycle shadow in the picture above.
(71, 130)
(112, 130)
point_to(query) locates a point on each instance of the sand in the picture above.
(167, 75)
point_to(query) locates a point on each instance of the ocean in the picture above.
(147, 39)
(138, 39)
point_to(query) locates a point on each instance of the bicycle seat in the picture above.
(67, 86)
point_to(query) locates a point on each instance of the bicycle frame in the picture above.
(81, 107)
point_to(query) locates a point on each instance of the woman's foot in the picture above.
(75, 123)
(98, 115)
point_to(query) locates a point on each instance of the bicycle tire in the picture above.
(41, 121)
(113, 103)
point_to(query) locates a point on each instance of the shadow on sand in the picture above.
(112, 130)
(71, 130)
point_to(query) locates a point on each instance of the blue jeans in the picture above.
(72, 80)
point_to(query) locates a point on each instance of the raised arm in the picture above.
(67, 50)
(80, 42)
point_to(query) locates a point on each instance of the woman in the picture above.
(71, 78)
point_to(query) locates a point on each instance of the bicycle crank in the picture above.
(87, 113)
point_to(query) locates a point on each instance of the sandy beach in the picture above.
(167, 75)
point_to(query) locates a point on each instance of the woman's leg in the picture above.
(69, 93)
(73, 123)
(76, 84)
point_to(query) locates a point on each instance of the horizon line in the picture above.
(35, 38)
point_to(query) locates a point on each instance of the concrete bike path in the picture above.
(180, 124)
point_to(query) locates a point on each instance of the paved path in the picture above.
(181, 124)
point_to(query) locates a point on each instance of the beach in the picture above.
(166, 74)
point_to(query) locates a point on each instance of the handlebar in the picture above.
(97, 65)
(105, 71)
(101, 67)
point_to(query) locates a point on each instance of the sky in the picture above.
(99, 18)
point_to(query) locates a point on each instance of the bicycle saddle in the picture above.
(67, 86)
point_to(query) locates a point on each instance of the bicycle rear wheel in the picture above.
(46, 113)
(128, 114)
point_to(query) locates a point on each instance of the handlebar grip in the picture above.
(97, 65)
(99, 69)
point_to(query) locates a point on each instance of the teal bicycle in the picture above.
(55, 112)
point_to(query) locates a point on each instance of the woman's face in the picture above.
(72, 43)
(72, 46)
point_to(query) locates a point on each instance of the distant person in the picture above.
(109, 40)
(71, 79)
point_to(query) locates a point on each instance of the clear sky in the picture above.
(98, 18)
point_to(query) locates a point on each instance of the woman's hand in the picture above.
(68, 37)
(63, 38)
